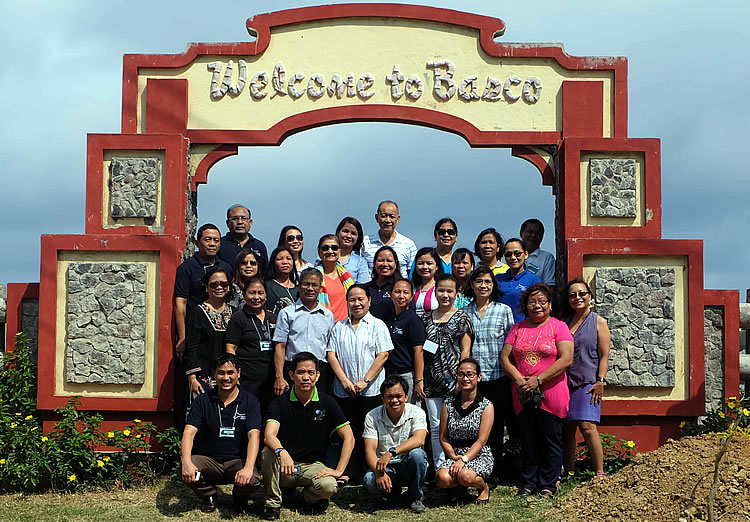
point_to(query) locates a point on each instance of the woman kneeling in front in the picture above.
(465, 425)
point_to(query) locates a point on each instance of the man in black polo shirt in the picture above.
(297, 435)
(221, 439)
(239, 223)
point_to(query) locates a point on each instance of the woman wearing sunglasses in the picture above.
(586, 375)
(246, 265)
(517, 279)
(281, 280)
(204, 339)
(292, 238)
(336, 280)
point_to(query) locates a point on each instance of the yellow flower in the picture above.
(126, 432)
(100, 463)
(106, 459)
(731, 404)
(18, 414)
(137, 421)
(44, 439)
(732, 398)
(2, 462)
(630, 444)
(28, 417)
(682, 424)
(721, 414)
(72, 478)
(35, 428)
(138, 436)
(746, 412)
(110, 434)
(13, 424)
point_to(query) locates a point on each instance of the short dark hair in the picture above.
(238, 206)
(324, 237)
(240, 258)
(216, 269)
(514, 240)
(426, 251)
(444, 220)
(349, 220)
(302, 357)
(498, 239)
(446, 277)
(310, 271)
(396, 273)
(479, 271)
(533, 289)
(470, 360)
(225, 358)
(394, 380)
(404, 280)
(460, 253)
(203, 228)
(530, 221)
(361, 287)
(271, 272)
(253, 279)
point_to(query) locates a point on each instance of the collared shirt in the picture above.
(229, 248)
(305, 429)
(304, 330)
(511, 288)
(356, 265)
(542, 263)
(356, 351)
(187, 283)
(247, 332)
(208, 414)
(405, 249)
(379, 426)
(407, 331)
(489, 337)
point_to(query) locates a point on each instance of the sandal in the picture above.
(546, 493)
(482, 501)
(524, 492)
(342, 481)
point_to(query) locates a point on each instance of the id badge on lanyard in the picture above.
(227, 432)
(265, 346)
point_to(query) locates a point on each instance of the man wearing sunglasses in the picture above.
(239, 224)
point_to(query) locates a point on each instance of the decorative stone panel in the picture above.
(106, 327)
(713, 329)
(133, 187)
(30, 326)
(638, 304)
(3, 303)
(612, 189)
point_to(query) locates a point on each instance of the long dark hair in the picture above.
(468, 291)
(240, 258)
(271, 272)
(498, 240)
(564, 303)
(396, 273)
(426, 251)
(349, 220)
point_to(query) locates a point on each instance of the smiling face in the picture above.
(515, 255)
(538, 307)
(385, 264)
(358, 303)
(283, 264)
(426, 267)
(304, 376)
(395, 399)
(488, 248)
(387, 218)
(348, 236)
(239, 221)
(227, 376)
(255, 295)
(482, 286)
(294, 240)
(468, 376)
(445, 292)
(401, 294)
(328, 251)
(579, 297)
(462, 267)
(533, 236)
(208, 244)
(249, 266)
(218, 285)
(446, 235)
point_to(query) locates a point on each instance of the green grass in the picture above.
(171, 499)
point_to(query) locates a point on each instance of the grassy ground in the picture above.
(171, 499)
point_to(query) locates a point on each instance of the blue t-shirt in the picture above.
(209, 416)
(511, 288)
(407, 331)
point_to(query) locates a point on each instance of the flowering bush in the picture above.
(65, 458)
(617, 454)
(721, 419)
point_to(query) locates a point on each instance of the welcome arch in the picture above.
(106, 295)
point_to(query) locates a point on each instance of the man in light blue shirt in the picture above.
(539, 262)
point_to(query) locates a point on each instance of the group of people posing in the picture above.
(383, 344)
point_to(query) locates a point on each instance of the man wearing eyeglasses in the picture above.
(239, 224)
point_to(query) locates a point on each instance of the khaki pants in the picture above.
(314, 488)
(214, 473)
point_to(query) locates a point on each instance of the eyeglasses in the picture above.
(483, 282)
(309, 285)
(326, 248)
(540, 302)
(467, 375)
(515, 253)
(581, 294)
(239, 218)
(292, 237)
(217, 284)
(251, 263)
(447, 231)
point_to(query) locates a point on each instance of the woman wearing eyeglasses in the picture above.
(281, 280)
(542, 350)
(492, 321)
(246, 265)
(517, 279)
(249, 336)
(292, 238)
(586, 375)
(465, 425)
(204, 339)
(336, 280)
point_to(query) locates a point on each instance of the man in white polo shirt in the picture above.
(394, 435)
(387, 218)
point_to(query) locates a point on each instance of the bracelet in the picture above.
(538, 381)
(418, 381)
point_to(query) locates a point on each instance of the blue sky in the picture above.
(688, 79)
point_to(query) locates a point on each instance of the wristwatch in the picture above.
(367, 381)
(464, 459)
(539, 381)
(600, 379)
(278, 451)
(392, 451)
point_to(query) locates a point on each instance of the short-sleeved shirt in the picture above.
(379, 426)
(356, 351)
(511, 287)
(357, 267)
(279, 296)
(381, 305)
(208, 414)
(535, 350)
(229, 248)
(441, 368)
(542, 263)
(304, 330)
(407, 331)
(305, 430)
(489, 336)
(405, 248)
(187, 283)
(247, 331)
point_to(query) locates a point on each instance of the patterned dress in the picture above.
(442, 366)
(463, 431)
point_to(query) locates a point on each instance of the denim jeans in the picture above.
(410, 472)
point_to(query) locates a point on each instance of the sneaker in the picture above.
(271, 513)
(208, 505)
(417, 506)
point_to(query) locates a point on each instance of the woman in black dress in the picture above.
(281, 280)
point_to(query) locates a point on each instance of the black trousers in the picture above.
(356, 409)
(498, 393)
(541, 449)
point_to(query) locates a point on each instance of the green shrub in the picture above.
(720, 419)
(618, 453)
